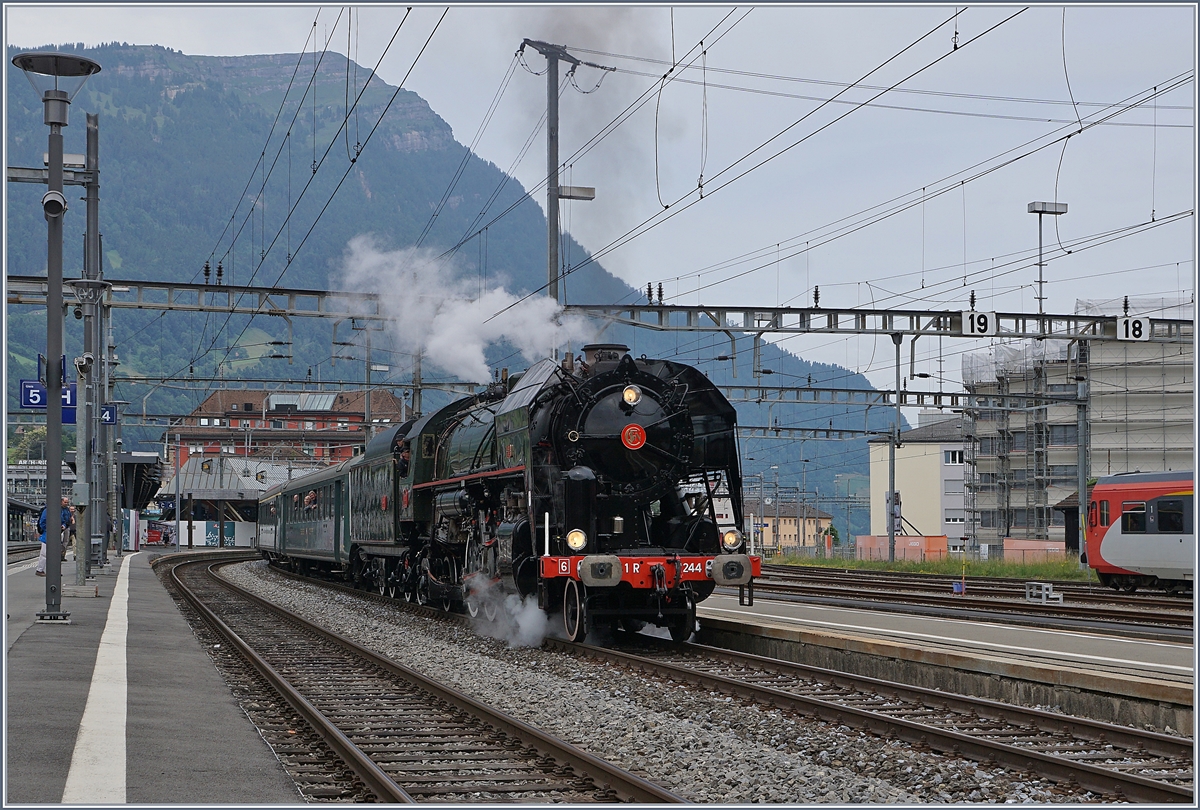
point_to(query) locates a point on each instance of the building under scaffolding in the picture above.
(1022, 460)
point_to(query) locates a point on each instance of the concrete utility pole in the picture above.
(554, 54)
(92, 533)
(1081, 441)
(416, 393)
(892, 511)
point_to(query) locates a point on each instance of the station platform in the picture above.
(122, 706)
(1114, 679)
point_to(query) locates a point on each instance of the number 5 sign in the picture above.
(1133, 328)
(979, 324)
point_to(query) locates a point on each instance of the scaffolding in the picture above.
(1020, 461)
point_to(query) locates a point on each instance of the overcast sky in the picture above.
(1018, 80)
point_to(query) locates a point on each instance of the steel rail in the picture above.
(998, 587)
(1090, 777)
(987, 597)
(1048, 610)
(633, 787)
(371, 774)
(957, 743)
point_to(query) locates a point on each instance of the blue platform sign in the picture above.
(33, 397)
(108, 414)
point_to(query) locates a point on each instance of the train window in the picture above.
(1133, 517)
(1170, 517)
(1104, 519)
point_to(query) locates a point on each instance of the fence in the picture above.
(1020, 556)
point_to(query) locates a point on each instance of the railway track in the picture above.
(1170, 613)
(17, 552)
(999, 587)
(400, 735)
(1123, 763)
(1115, 761)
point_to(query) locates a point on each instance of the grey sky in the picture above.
(1112, 176)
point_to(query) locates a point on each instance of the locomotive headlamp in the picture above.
(632, 395)
(576, 539)
(731, 539)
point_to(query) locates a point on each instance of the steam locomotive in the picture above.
(610, 490)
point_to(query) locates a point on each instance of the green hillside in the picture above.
(179, 139)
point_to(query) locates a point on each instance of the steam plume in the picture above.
(437, 311)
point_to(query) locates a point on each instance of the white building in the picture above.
(929, 478)
(1023, 460)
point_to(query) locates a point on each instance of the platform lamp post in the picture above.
(1041, 209)
(57, 78)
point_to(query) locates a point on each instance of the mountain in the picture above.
(180, 138)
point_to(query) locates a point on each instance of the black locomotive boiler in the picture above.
(609, 489)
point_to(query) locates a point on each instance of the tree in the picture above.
(32, 444)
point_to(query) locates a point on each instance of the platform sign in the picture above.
(33, 395)
(108, 414)
(978, 324)
(1133, 328)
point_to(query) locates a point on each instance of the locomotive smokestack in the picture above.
(599, 352)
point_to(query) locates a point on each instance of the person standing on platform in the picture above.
(71, 538)
(67, 520)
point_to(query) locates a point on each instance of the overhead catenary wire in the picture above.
(349, 167)
(852, 223)
(600, 135)
(657, 219)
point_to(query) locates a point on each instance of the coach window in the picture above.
(1104, 521)
(1170, 517)
(1133, 517)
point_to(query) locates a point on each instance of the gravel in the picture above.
(703, 746)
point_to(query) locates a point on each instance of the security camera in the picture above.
(84, 364)
(78, 313)
(54, 204)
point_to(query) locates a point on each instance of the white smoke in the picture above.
(438, 311)
(518, 620)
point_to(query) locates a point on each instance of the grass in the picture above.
(1026, 571)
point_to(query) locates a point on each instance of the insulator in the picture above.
(972, 300)
(660, 293)
(207, 272)
(220, 272)
(816, 297)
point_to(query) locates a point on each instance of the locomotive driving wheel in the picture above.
(575, 617)
(380, 573)
(682, 626)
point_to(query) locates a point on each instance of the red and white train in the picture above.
(1140, 531)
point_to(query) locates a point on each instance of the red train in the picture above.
(1140, 531)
